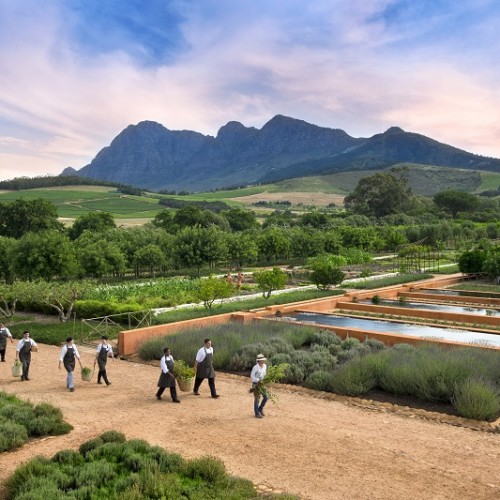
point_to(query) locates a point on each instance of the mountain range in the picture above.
(150, 156)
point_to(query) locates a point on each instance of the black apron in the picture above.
(167, 379)
(205, 369)
(69, 359)
(3, 338)
(102, 357)
(25, 351)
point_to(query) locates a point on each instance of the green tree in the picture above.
(241, 249)
(491, 265)
(96, 222)
(7, 246)
(471, 261)
(240, 219)
(379, 195)
(100, 258)
(165, 220)
(24, 216)
(150, 257)
(211, 289)
(10, 295)
(273, 244)
(62, 296)
(268, 281)
(305, 242)
(45, 255)
(326, 273)
(456, 201)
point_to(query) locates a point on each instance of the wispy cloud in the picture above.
(74, 73)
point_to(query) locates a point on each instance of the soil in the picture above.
(312, 447)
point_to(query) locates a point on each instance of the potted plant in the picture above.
(184, 375)
(87, 374)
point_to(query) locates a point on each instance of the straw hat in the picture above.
(261, 357)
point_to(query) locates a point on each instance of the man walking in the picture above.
(167, 377)
(69, 353)
(23, 353)
(4, 335)
(101, 358)
(205, 368)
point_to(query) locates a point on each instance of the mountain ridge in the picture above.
(149, 155)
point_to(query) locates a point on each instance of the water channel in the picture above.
(438, 307)
(419, 331)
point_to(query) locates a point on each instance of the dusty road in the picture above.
(315, 448)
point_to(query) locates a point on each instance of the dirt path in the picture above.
(311, 447)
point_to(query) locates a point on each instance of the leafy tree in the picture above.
(7, 246)
(240, 219)
(150, 257)
(456, 201)
(268, 281)
(100, 258)
(96, 222)
(44, 255)
(164, 220)
(190, 216)
(491, 265)
(325, 273)
(273, 244)
(62, 296)
(241, 249)
(199, 246)
(305, 242)
(279, 218)
(315, 219)
(24, 216)
(471, 261)
(211, 289)
(379, 195)
(10, 295)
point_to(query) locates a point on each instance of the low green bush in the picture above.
(476, 399)
(20, 420)
(318, 380)
(112, 468)
(98, 308)
(352, 380)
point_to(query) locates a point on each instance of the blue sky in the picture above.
(74, 73)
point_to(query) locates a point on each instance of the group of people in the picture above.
(203, 364)
(204, 369)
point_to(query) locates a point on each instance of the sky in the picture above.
(75, 73)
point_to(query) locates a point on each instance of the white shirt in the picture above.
(163, 363)
(202, 353)
(22, 341)
(107, 347)
(64, 350)
(258, 372)
(6, 330)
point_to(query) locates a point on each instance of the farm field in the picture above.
(312, 447)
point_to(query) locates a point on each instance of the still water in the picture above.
(420, 331)
(438, 307)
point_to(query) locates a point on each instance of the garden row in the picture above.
(466, 378)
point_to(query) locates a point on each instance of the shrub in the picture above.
(325, 338)
(352, 379)
(209, 469)
(183, 371)
(476, 399)
(294, 375)
(113, 437)
(318, 380)
(12, 435)
(350, 343)
(374, 345)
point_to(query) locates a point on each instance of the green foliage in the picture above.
(183, 371)
(95, 222)
(268, 281)
(472, 261)
(352, 379)
(21, 420)
(456, 201)
(379, 195)
(325, 273)
(111, 467)
(476, 399)
(98, 308)
(211, 289)
(392, 280)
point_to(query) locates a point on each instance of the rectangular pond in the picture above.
(437, 307)
(419, 331)
(463, 293)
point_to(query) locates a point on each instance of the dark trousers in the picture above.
(211, 384)
(2, 353)
(102, 373)
(173, 392)
(26, 369)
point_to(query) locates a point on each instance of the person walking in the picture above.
(257, 375)
(101, 358)
(68, 357)
(204, 367)
(23, 353)
(4, 335)
(167, 378)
